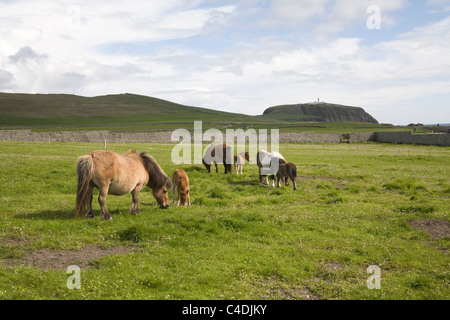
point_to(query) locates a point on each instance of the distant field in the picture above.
(329, 127)
(357, 205)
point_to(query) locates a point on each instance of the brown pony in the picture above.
(218, 154)
(117, 174)
(287, 170)
(239, 160)
(180, 182)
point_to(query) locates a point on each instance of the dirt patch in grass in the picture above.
(438, 229)
(14, 242)
(299, 294)
(61, 259)
(276, 289)
(334, 266)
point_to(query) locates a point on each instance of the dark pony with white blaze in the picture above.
(117, 174)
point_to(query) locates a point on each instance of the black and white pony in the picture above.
(268, 164)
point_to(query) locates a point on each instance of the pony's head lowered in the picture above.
(247, 156)
(158, 180)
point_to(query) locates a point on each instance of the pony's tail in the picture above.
(295, 170)
(85, 167)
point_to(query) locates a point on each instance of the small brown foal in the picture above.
(180, 182)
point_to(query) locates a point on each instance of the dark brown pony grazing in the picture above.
(218, 154)
(117, 174)
(287, 170)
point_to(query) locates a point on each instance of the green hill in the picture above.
(62, 109)
(130, 112)
(318, 112)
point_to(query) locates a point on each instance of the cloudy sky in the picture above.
(391, 57)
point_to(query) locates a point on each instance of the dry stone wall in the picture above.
(86, 136)
(165, 137)
(439, 139)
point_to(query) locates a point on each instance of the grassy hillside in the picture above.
(129, 112)
(60, 109)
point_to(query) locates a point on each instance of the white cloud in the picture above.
(296, 12)
(438, 2)
(26, 55)
(49, 46)
(6, 80)
(328, 17)
(69, 35)
(378, 77)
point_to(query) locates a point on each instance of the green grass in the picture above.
(240, 239)
(138, 124)
(42, 111)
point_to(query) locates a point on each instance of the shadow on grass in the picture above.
(61, 214)
(195, 169)
(245, 183)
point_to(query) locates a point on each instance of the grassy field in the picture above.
(320, 128)
(240, 240)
